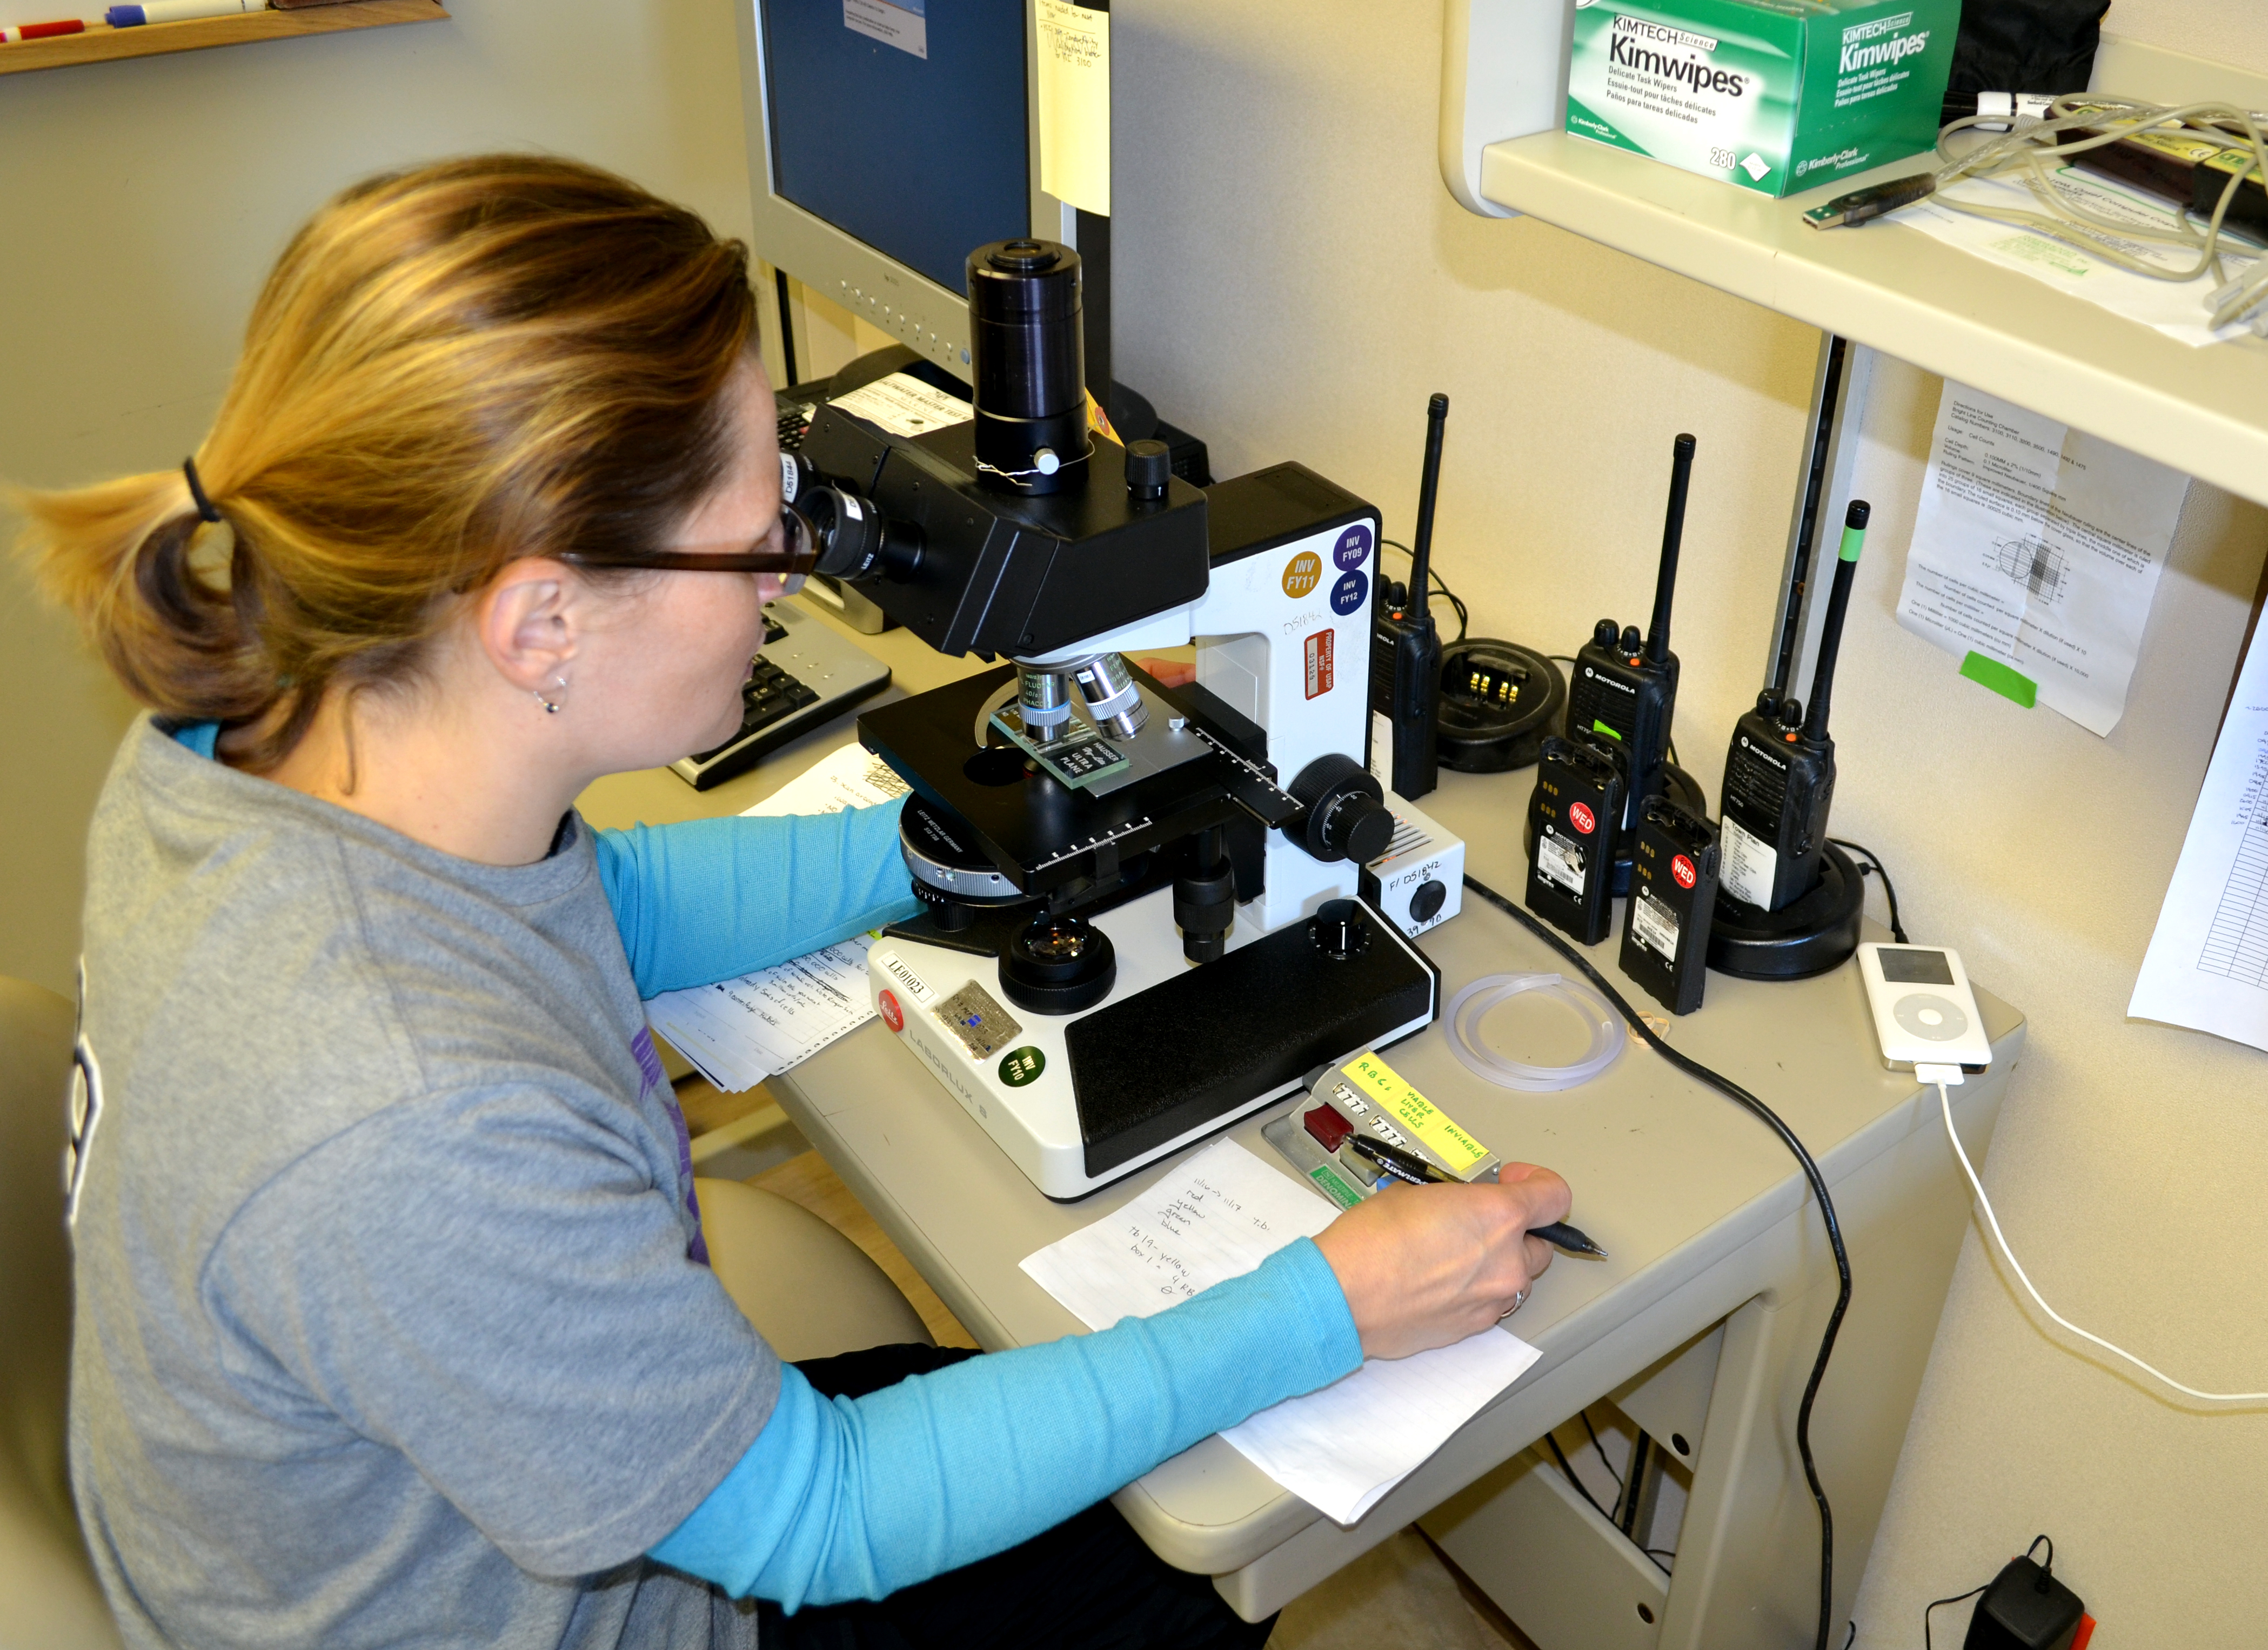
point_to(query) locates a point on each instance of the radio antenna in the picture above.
(1429, 483)
(1838, 602)
(1673, 535)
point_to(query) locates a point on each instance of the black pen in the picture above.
(1407, 1165)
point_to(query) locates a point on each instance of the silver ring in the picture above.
(1518, 1301)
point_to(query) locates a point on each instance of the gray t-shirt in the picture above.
(387, 1329)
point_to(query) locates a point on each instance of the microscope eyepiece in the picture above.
(856, 540)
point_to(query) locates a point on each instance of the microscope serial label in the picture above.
(1322, 672)
(1302, 574)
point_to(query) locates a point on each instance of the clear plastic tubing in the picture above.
(1469, 1006)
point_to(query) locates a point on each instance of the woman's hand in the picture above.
(1424, 1266)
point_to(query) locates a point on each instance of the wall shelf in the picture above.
(2203, 411)
(101, 43)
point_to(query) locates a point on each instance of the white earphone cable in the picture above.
(1993, 1222)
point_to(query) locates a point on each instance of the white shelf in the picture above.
(2203, 411)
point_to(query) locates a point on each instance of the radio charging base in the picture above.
(1805, 937)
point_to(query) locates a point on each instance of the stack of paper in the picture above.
(739, 1032)
(1218, 1217)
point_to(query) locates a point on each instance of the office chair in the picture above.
(49, 1599)
(811, 1292)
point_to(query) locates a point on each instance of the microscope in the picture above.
(1142, 911)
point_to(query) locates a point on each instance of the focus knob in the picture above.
(1343, 813)
(1149, 466)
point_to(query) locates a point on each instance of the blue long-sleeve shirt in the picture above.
(849, 1498)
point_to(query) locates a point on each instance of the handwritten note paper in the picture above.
(1218, 1217)
(739, 1032)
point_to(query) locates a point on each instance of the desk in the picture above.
(1718, 1259)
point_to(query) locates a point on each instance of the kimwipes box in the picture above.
(1774, 95)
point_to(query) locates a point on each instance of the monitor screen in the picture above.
(1914, 967)
(905, 131)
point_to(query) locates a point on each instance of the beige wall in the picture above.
(140, 205)
(1295, 281)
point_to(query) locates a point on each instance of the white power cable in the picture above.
(1993, 1221)
(2083, 121)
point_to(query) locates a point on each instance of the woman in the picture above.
(395, 1324)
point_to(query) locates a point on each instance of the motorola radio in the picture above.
(1673, 900)
(1779, 773)
(1625, 690)
(1405, 649)
(1575, 821)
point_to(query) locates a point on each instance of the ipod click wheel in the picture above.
(1924, 1010)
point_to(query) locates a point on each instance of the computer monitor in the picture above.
(884, 146)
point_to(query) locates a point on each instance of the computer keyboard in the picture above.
(794, 424)
(806, 676)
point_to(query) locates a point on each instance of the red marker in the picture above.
(42, 31)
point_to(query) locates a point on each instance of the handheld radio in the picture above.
(1405, 649)
(1673, 900)
(1779, 773)
(1576, 811)
(1627, 692)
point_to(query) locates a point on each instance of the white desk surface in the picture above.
(1698, 1204)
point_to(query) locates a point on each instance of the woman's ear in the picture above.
(529, 622)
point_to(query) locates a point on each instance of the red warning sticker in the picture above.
(1579, 815)
(893, 1016)
(1322, 671)
(1682, 868)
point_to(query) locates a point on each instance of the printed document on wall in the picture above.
(2036, 552)
(2207, 965)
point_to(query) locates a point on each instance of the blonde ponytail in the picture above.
(450, 367)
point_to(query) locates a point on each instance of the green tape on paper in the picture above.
(2009, 684)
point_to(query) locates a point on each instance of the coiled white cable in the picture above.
(1993, 1221)
(1466, 1007)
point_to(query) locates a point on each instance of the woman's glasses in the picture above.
(788, 551)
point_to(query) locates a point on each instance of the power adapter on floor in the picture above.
(2026, 1609)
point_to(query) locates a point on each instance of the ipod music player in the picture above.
(1924, 1010)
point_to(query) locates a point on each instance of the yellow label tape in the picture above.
(1377, 1081)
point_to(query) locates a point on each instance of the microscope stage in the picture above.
(1044, 833)
(1172, 1054)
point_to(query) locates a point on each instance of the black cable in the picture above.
(1926, 1641)
(2050, 1565)
(1849, 1636)
(1771, 1120)
(1873, 863)
(1580, 1489)
(1438, 586)
(1602, 1449)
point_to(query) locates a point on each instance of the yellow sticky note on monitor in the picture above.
(1418, 1117)
(1074, 86)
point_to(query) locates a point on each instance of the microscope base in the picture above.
(1172, 1054)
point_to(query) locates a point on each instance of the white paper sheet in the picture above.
(2176, 308)
(2039, 547)
(2207, 965)
(904, 406)
(1218, 1217)
(741, 1031)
